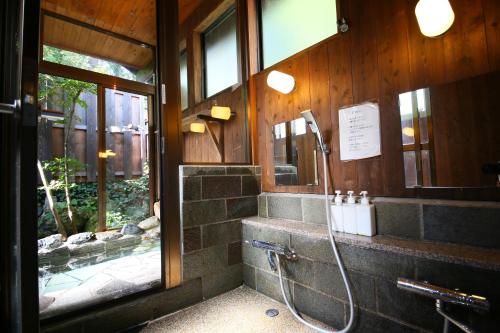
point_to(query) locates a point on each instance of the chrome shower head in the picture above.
(313, 125)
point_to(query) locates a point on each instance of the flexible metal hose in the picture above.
(339, 262)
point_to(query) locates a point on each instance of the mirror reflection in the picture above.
(295, 153)
(450, 134)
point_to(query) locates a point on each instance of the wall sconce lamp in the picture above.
(220, 112)
(434, 17)
(281, 82)
(107, 153)
(197, 127)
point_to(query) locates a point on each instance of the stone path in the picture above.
(77, 288)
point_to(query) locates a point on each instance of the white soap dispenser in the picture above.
(336, 209)
(365, 215)
(349, 214)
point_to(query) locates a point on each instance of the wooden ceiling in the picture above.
(135, 19)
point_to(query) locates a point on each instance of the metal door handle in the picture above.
(9, 108)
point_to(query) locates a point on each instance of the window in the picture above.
(183, 79)
(289, 26)
(415, 113)
(220, 54)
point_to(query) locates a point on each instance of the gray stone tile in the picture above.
(240, 170)
(301, 271)
(262, 206)
(249, 276)
(202, 212)
(205, 261)
(254, 257)
(214, 187)
(242, 207)
(464, 225)
(319, 306)
(284, 207)
(250, 185)
(221, 233)
(272, 236)
(192, 239)
(371, 322)
(268, 284)
(217, 283)
(203, 170)
(327, 279)
(191, 188)
(313, 248)
(234, 253)
(247, 232)
(314, 210)
(378, 263)
(407, 307)
(398, 219)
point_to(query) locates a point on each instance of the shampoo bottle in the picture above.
(349, 211)
(336, 209)
(365, 215)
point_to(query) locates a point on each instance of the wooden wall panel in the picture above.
(382, 55)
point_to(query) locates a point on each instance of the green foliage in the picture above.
(57, 167)
(127, 202)
(73, 59)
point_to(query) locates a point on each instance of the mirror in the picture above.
(451, 134)
(295, 161)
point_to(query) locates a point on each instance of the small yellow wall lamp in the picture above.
(434, 17)
(281, 82)
(197, 127)
(220, 112)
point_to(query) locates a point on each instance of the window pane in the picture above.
(289, 26)
(424, 113)
(184, 80)
(406, 113)
(426, 168)
(410, 162)
(221, 55)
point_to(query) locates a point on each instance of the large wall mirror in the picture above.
(295, 161)
(451, 134)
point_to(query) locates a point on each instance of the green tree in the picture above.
(66, 93)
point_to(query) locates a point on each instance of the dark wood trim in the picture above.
(107, 81)
(101, 162)
(171, 151)
(95, 28)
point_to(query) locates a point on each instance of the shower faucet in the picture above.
(274, 248)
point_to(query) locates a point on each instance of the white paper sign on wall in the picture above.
(359, 127)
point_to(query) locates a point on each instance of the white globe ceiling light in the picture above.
(281, 82)
(434, 17)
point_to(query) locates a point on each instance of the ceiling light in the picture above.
(197, 127)
(281, 82)
(434, 17)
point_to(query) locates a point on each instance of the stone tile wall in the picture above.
(214, 199)
(318, 289)
(461, 222)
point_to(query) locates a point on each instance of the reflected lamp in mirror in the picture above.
(220, 112)
(450, 134)
(197, 127)
(434, 17)
(295, 154)
(281, 82)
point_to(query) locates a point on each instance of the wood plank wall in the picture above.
(383, 54)
(200, 148)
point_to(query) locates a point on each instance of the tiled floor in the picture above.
(81, 287)
(241, 310)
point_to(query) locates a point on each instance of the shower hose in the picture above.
(291, 307)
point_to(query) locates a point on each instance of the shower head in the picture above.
(313, 125)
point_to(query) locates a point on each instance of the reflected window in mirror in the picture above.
(450, 134)
(295, 153)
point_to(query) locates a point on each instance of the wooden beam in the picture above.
(171, 152)
(101, 162)
(107, 81)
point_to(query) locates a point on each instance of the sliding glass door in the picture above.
(99, 237)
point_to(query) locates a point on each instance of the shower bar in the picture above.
(446, 295)
(278, 249)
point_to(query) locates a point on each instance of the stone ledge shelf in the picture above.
(450, 253)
